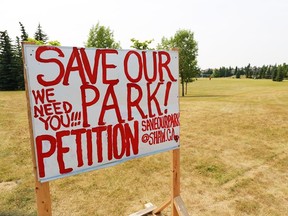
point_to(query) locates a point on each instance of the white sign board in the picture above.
(93, 108)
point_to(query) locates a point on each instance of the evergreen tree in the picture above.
(8, 69)
(262, 72)
(40, 35)
(248, 71)
(268, 74)
(274, 72)
(19, 65)
(24, 35)
(279, 74)
(216, 73)
(229, 72)
(285, 70)
(222, 72)
(18, 56)
(237, 73)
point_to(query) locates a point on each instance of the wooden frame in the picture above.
(43, 198)
(175, 201)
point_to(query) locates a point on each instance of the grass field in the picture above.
(234, 158)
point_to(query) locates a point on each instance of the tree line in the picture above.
(274, 72)
(11, 65)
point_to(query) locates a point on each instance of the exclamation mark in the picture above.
(75, 119)
(79, 118)
(168, 87)
(72, 119)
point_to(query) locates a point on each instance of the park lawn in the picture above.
(234, 158)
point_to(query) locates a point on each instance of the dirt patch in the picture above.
(7, 186)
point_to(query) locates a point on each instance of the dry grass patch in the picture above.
(234, 158)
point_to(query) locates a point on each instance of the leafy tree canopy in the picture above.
(101, 37)
(141, 45)
(187, 46)
(54, 43)
(37, 42)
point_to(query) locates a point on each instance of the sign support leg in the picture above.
(177, 205)
(175, 168)
(42, 190)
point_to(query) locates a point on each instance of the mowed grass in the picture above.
(234, 158)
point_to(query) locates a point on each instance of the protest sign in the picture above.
(92, 108)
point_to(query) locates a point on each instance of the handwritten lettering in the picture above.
(96, 107)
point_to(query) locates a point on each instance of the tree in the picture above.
(50, 43)
(101, 37)
(8, 69)
(19, 65)
(141, 45)
(268, 74)
(262, 71)
(274, 72)
(18, 57)
(285, 70)
(40, 35)
(184, 41)
(165, 44)
(216, 72)
(248, 71)
(207, 73)
(24, 35)
(54, 43)
(34, 41)
(11, 63)
(237, 73)
(279, 74)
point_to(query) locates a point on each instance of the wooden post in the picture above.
(177, 204)
(43, 199)
(175, 166)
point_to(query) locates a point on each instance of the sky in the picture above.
(228, 32)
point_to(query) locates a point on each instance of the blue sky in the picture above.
(228, 32)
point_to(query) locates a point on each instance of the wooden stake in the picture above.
(177, 205)
(43, 199)
(175, 166)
